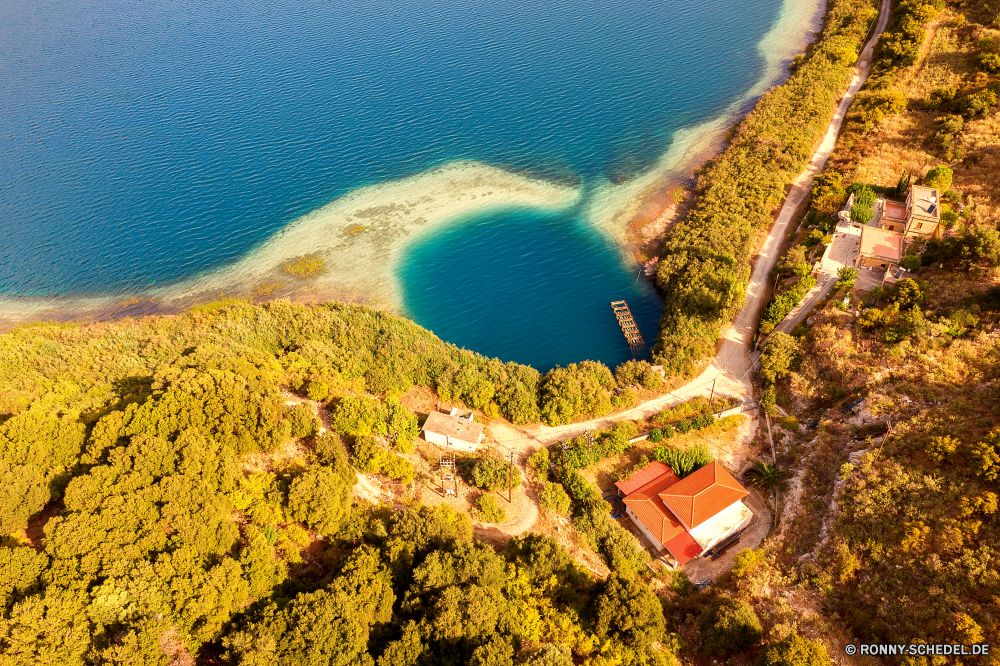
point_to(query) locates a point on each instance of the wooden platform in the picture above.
(628, 325)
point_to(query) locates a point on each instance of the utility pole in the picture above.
(711, 399)
(590, 446)
(510, 478)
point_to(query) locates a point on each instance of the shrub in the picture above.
(539, 463)
(641, 373)
(369, 455)
(579, 389)
(910, 262)
(909, 292)
(317, 390)
(625, 399)
(304, 423)
(728, 626)
(320, 498)
(683, 461)
(846, 277)
(553, 497)
(940, 449)
(356, 416)
(491, 473)
(490, 510)
(398, 468)
(789, 423)
(656, 436)
(780, 355)
(863, 209)
(794, 650)
(939, 177)
(628, 610)
(784, 302)
(813, 238)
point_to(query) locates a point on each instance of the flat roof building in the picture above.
(879, 248)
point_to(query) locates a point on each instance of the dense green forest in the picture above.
(705, 264)
(154, 509)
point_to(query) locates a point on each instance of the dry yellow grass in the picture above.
(905, 141)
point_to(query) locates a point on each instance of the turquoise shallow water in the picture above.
(545, 299)
(142, 143)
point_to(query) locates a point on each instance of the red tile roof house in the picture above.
(685, 517)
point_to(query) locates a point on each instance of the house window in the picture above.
(920, 225)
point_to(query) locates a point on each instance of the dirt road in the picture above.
(730, 371)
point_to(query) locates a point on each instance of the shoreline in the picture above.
(363, 235)
(647, 206)
(360, 237)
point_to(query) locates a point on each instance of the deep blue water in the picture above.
(143, 142)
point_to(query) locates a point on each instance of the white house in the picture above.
(455, 430)
(685, 517)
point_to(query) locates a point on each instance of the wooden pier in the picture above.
(629, 328)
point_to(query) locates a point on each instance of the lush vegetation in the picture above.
(684, 461)
(489, 473)
(704, 266)
(168, 507)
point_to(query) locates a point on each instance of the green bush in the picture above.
(655, 436)
(625, 398)
(729, 626)
(398, 468)
(579, 389)
(863, 209)
(846, 277)
(303, 420)
(317, 390)
(369, 456)
(784, 302)
(538, 461)
(641, 373)
(553, 497)
(939, 177)
(490, 510)
(794, 650)
(489, 473)
(779, 357)
(910, 262)
(321, 498)
(684, 461)
(813, 238)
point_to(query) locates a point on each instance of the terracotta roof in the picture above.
(650, 472)
(701, 495)
(881, 243)
(454, 427)
(650, 511)
(683, 547)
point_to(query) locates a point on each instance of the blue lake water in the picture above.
(144, 142)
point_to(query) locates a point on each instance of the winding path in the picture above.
(729, 373)
(730, 370)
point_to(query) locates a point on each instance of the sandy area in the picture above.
(360, 237)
